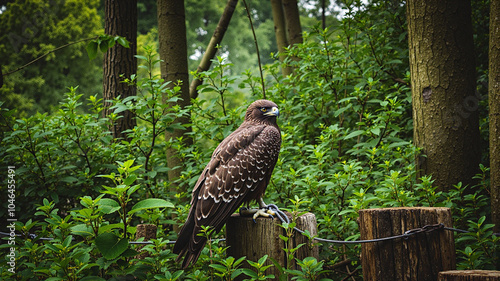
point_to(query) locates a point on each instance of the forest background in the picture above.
(347, 127)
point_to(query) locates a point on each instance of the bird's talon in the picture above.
(262, 213)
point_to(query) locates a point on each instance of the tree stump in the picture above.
(254, 240)
(469, 275)
(148, 231)
(419, 257)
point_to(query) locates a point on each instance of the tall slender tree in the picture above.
(287, 28)
(174, 68)
(443, 84)
(494, 111)
(280, 33)
(292, 19)
(120, 19)
(216, 39)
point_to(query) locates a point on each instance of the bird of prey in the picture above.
(238, 172)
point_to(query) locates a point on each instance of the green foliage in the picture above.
(260, 268)
(480, 246)
(311, 269)
(61, 155)
(66, 257)
(238, 45)
(33, 28)
(103, 43)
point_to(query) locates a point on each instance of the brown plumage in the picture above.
(239, 171)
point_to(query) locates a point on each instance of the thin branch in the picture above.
(216, 39)
(48, 53)
(257, 49)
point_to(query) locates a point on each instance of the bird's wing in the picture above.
(226, 150)
(229, 176)
(240, 166)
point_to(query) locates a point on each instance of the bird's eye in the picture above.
(263, 109)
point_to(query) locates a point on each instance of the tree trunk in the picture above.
(174, 67)
(443, 86)
(419, 257)
(469, 275)
(253, 240)
(323, 14)
(1, 76)
(120, 19)
(292, 19)
(280, 33)
(148, 232)
(494, 111)
(216, 39)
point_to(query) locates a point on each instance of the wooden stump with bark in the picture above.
(244, 237)
(418, 257)
(146, 231)
(469, 275)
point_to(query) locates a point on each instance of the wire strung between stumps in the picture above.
(285, 219)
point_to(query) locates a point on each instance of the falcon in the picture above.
(238, 172)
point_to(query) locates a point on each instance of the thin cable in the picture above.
(34, 236)
(285, 219)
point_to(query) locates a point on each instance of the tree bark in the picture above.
(280, 33)
(148, 232)
(174, 67)
(419, 257)
(120, 19)
(469, 275)
(494, 111)
(1, 76)
(216, 39)
(292, 19)
(254, 240)
(443, 84)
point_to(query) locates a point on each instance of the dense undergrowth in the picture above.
(346, 129)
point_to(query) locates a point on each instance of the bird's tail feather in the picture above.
(188, 245)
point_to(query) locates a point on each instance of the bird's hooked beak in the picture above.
(273, 112)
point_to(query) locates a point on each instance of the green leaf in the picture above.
(92, 278)
(133, 189)
(92, 49)
(218, 267)
(110, 227)
(481, 220)
(141, 57)
(67, 242)
(52, 247)
(342, 109)
(110, 245)
(108, 205)
(354, 134)
(127, 164)
(284, 238)
(69, 179)
(250, 273)
(122, 41)
(104, 45)
(82, 230)
(263, 259)
(130, 179)
(150, 203)
(111, 43)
